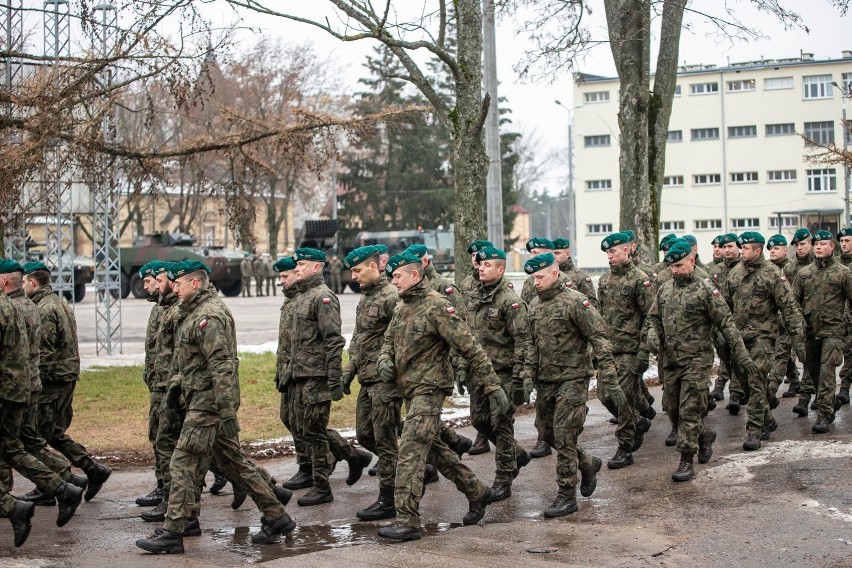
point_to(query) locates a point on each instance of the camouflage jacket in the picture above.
(822, 289)
(659, 267)
(425, 326)
(643, 267)
(781, 264)
(845, 259)
(498, 319)
(720, 273)
(151, 339)
(203, 358)
(33, 321)
(794, 266)
(59, 358)
(15, 371)
(757, 292)
(372, 317)
(317, 345)
(528, 292)
(625, 295)
(469, 289)
(581, 280)
(563, 324)
(285, 330)
(447, 289)
(246, 268)
(161, 370)
(666, 274)
(683, 316)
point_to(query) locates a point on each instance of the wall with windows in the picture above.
(735, 152)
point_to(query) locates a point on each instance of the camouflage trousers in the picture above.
(728, 372)
(561, 411)
(55, 413)
(377, 415)
(420, 444)
(783, 364)
(246, 286)
(846, 369)
(258, 285)
(685, 393)
(762, 352)
(822, 357)
(169, 425)
(625, 431)
(154, 399)
(13, 452)
(286, 412)
(506, 448)
(7, 502)
(199, 439)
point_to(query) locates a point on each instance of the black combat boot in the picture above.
(271, 530)
(613, 420)
(476, 508)
(68, 498)
(671, 439)
(793, 390)
(711, 404)
(752, 443)
(843, 395)
(541, 449)
(21, 518)
(801, 407)
(303, 478)
(461, 445)
(430, 474)
(718, 392)
(650, 413)
(219, 483)
(500, 491)
(36, 497)
(282, 494)
(480, 446)
(705, 445)
(316, 496)
(239, 498)
(562, 506)
(383, 508)
(622, 458)
(162, 542)
(374, 470)
(772, 400)
(821, 426)
(152, 499)
(97, 474)
(357, 462)
(400, 531)
(768, 429)
(684, 470)
(157, 514)
(733, 406)
(642, 427)
(80, 481)
(589, 477)
(191, 527)
(521, 460)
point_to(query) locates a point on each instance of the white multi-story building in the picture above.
(734, 158)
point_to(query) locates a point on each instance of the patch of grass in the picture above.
(111, 406)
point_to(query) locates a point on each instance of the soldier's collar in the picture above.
(683, 279)
(622, 268)
(313, 281)
(824, 262)
(553, 291)
(417, 291)
(370, 289)
(567, 265)
(730, 263)
(16, 293)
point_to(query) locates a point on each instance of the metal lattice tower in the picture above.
(105, 213)
(59, 225)
(12, 23)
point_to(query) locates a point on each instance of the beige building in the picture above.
(735, 157)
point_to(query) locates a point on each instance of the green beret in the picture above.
(381, 249)
(750, 237)
(359, 255)
(691, 240)
(613, 240)
(777, 241)
(189, 266)
(847, 232)
(490, 252)
(477, 246)
(284, 264)
(822, 235)
(162, 267)
(716, 240)
(148, 268)
(401, 259)
(631, 236)
(800, 235)
(667, 241)
(560, 243)
(538, 262)
(727, 238)
(31, 267)
(8, 265)
(679, 250)
(539, 242)
(315, 255)
(172, 274)
(417, 250)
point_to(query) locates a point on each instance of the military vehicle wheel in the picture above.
(355, 287)
(125, 285)
(137, 287)
(233, 289)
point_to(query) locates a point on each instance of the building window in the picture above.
(817, 86)
(741, 85)
(675, 136)
(744, 177)
(598, 184)
(742, 131)
(705, 133)
(707, 179)
(749, 223)
(671, 226)
(599, 228)
(846, 81)
(822, 180)
(596, 97)
(677, 91)
(673, 181)
(819, 133)
(776, 176)
(596, 141)
(775, 83)
(780, 129)
(703, 88)
(708, 224)
(786, 222)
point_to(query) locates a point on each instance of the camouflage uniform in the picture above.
(259, 268)
(204, 356)
(498, 319)
(846, 369)
(738, 388)
(469, 288)
(782, 360)
(625, 296)
(155, 396)
(447, 289)
(271, 277)
(377, 412)
(791, 269)
(335, 270)
(423, 327)
(683, 316)
(823, 289)
(582, 280)
(563, 324)
(246, 273)
(758, 293)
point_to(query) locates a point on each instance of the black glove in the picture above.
(346, 381)
(173, 396)
(461, 380)
(499, 406)
(386, 370)
(228, 427)
(334, 385)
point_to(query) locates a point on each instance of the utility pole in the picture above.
(844, 131)
(494, 183)
(572, 201)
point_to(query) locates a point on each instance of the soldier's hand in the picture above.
(499, 405)
(612, 392)
(386, 370)
(800, 353)
(461, 380)
(335, 386)
(346, 381)
(228, 427)
(749, 367)
(280, 384)
(173, 396)
(529, 387)
(284, 378)
(641, 365)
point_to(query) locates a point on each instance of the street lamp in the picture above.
(844, 93)
(572, 202)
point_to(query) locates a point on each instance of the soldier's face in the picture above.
(287, 278)
(618, 255)
(561, 255)
(403, 278)
(150, 285)
(545, 279)
(730, 251)
(751, 251)
(491, 270)
(30, 286)
(684, 266)
(365, 273)
(164, 286)
(538, 251)
(307, 268)
(846, 244)
(383, 261)
(777, 252)
(186, 288)
(717, 252)
(823, 249)
(803, 248)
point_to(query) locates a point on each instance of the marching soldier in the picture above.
(844, 237)
(783, 363)
(583, 282)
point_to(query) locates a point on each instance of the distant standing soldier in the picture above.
(259, 268)
(782, 360)
(271, 284)
(335, 271)
(246, 273)
(823, 289)
(845, 239)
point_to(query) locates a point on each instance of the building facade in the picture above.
(735, 158)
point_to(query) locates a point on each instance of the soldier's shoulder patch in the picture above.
(326, 300)
(203, 323)
(569, 284)
(588, 279)
(515, 305)
(654, 275)
(451, 310)
(646, 283)
(448, 290)
(716, 277)
(715, 292)
(512, 286)
(783, 278)
(586, 303)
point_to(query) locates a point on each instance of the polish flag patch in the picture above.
(448, 290)
(326, 300)
(646, 283)
(569, 284)
(587, 303)
(715, 292)
(512, 286)
(451, 310)
(203, 323)
(515, 306)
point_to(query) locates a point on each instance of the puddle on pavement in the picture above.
(310, 538)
